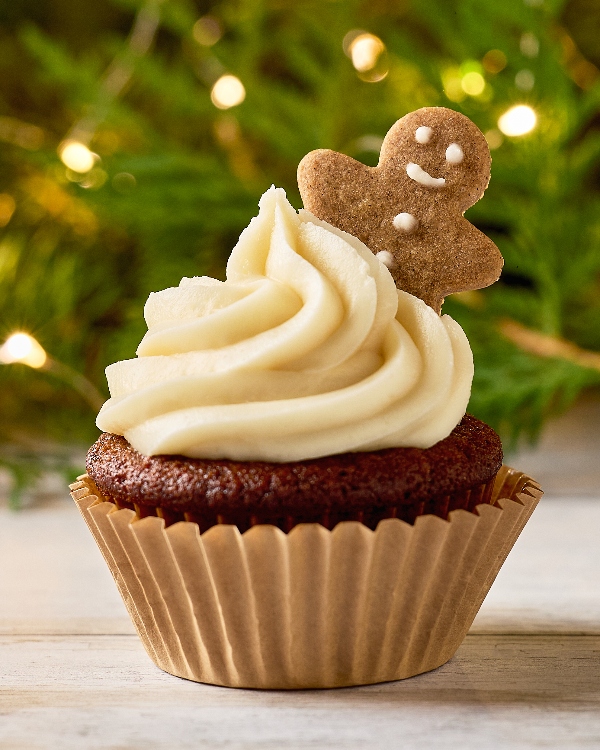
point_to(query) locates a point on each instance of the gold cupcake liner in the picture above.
(312, 608)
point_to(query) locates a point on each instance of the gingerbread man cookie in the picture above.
(434, 165)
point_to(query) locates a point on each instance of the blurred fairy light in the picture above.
(518, 120)
(529, 45)
(494, 61)
(467, 80)
(124, 182)
(525, 80)
(7, 208)
(21, 348)
(228, 92)
(207, 31)
(21, 134)
(584, 73)
(349, 38)
(365, 50)
(452, 85)
(472, 83)
(24, 349)
(494, 139)
(94, 179)
(76, 156)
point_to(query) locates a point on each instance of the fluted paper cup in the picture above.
(312, 608)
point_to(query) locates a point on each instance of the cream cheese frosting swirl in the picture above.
(306, 350)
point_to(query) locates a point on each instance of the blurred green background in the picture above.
(182, 113)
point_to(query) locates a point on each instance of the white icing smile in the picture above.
(419, 175)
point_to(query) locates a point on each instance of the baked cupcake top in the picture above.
(306, 350)
(470, 456)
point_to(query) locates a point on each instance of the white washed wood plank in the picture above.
(551, 579)
(53, 576)
(103, 692)
(565, 461)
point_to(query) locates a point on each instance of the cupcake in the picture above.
(287, 489)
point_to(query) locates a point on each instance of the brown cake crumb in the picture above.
(365, 486)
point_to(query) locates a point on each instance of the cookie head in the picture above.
(438, 149)
(434, 164)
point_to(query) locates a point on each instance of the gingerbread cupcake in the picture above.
(287, 490)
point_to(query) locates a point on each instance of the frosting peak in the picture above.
(306, 350)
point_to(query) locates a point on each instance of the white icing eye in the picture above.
(386, 258)
(423, 134)
(419, 175)
(454, 154)
(405, 223)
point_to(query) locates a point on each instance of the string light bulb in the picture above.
(228, 92)
(365, 51)
(207, 31)
(76, 156)
(24, 349)
(472, 83)
(518, 120)
(21, 348)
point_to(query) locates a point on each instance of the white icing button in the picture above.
(405, 222)
(419, 175)
(454, 154)
(423, 134)
(386, 258)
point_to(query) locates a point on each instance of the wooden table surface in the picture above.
(73, 674)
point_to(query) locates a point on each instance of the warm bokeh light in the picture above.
(518, 120)
(494, 139)
(349, 38)
(525, 80)
(21, 133)
(451, 81)
(124, 182)
(365, 51)
(207, 31)
(7, 208)
(494, 61)
(76, 156)
(529, 45)
(24, 349)
(228, 92)
(472, 83)
(94, 179)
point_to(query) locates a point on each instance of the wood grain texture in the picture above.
(103, 692)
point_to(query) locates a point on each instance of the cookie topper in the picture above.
(434, 164)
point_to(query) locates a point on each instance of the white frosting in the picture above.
(454, 154)
(419, 175)
(423, 134)
(405, 222)
(308, 349)
(385, 257)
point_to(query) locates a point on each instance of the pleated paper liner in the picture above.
(313, 608)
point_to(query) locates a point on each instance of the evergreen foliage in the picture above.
(177, 178)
